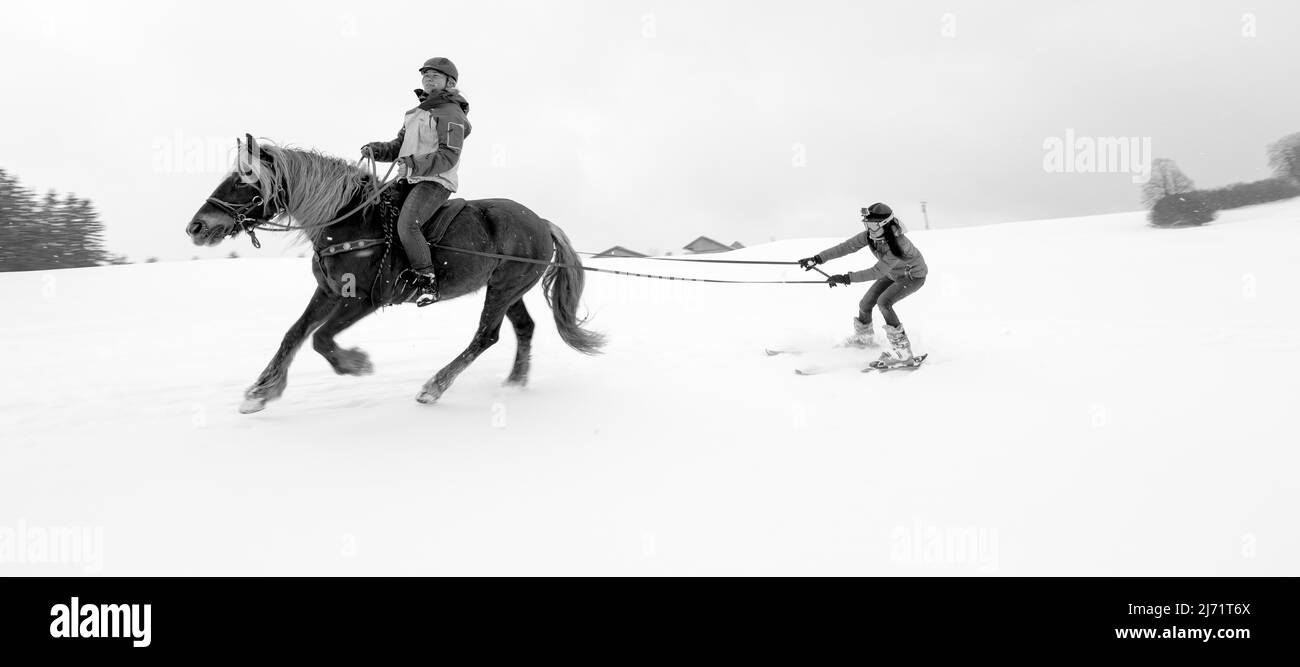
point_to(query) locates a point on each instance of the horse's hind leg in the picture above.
(489, 330)
(271, 383)
(345, 362)
(523, 324)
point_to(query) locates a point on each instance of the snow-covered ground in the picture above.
(1101, 398)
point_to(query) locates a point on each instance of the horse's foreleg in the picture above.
(523, 325)
(489, 330)
(345, 362)
(271, 383)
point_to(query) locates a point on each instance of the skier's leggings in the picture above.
(884, 294)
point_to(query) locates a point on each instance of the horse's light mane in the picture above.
(316, 186)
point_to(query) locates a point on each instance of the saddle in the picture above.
(390, 208)
(436, 226)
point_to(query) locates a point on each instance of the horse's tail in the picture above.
(563, 286)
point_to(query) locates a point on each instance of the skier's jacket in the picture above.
(896, 258)
(431, 137)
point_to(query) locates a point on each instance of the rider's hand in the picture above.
(809, 262)
(370, 149)
(838, 279)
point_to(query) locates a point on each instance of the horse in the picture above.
(494, 243)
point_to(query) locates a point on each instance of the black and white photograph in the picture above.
(935, 290)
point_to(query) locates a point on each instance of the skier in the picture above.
(900, 270)
(427, 151)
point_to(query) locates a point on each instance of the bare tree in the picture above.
(1166, 179)
(1284, 157)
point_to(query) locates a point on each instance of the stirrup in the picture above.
(426, 286)
(427, 294)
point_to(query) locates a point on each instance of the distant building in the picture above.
(704, 245)
(620, 251)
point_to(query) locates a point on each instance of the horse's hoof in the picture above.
(427, 397)
(252, 405)
(519, 383)
(353, 362)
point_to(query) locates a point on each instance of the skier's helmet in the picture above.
(877, 212)
(877, 215)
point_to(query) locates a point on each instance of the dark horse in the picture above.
(328, 201)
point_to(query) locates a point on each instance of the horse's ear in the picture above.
(252, 150)
(249, 154)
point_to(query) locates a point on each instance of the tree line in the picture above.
(49, 231)
(1175, 201)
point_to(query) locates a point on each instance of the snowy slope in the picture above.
(1101, 398)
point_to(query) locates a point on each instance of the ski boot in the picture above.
(901, 352)
(863, 336)
(425, 283)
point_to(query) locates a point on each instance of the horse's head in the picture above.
(239, 203)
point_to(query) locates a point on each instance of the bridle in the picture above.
(244, 221)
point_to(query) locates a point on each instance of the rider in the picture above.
(427, 151)
(900, 270)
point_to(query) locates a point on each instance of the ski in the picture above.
(912, 365)
(883, 367)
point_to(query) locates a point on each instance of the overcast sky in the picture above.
(649, 123)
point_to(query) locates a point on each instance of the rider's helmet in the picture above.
(442, 66)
